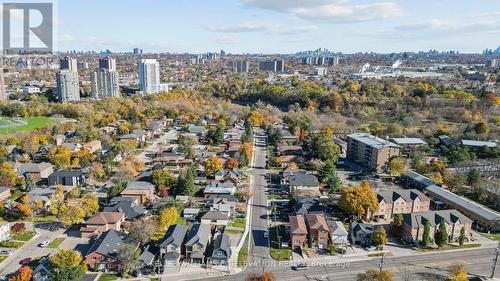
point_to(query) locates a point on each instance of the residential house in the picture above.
(171, 246)
(474, 145)
(216, 218)
(126, 205)
(220, 250)
(191, 213)
(59, 139)
(132, 137)
(290, 150)
(414, 224)
(42, 271)
(141, 191)
(401, 201)
(338, 233)
(227, 188)
(4, 193)
(303, 181)
(408, 142)
(73, 147)
(308, 205)
(360, 233)
(222, 198)
(298, 231)
(37, 171)
(101, 222)
(103, 252)
(318, 230)
(93, 146)
(4, 231)
(197, 243)
(67, 178)
(197, 130)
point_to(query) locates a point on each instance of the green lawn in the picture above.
(108, 277)
(11, 244)
(23, 235)
(281, 255)
(242, 257)
(238, 222)
(33, 123)
(493, 236)
(181, 220)
(15, 194)
(49, 218)
(55, 243)
(274, 197)
(2, 258)
(450, 247)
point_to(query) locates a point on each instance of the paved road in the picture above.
(165, 138)
(478, 262)
(259, 245)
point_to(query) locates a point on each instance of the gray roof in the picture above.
(337, 227)
(175, 235)
(199, 234)
(147, 256)
(465, 203)
(139, 185)
(109, 242)
(408, 195)
(435, 217)
(303, 179)
(419, 178)
(34, 167)
(407, 141)
(221, 242)
(215, 215)
(126, 205)
(372, 141)
(479, 143)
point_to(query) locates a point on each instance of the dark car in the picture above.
(301, 266)
(25, 261)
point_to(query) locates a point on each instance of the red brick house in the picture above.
(298, 231)
(407, 201)
(102, 254)
(318, 230)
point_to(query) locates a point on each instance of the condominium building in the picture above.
(68, 63)
(107, 63)
(149, 76)
(272, 65)
(105, 83)
(370, 151)
(239, 66)
(68, 88)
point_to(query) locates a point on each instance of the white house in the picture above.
(4, 232)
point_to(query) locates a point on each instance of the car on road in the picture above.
(44, 244)
(266, 234)
(370, 248)
(300, 266)
(25, 261)
(5, 252)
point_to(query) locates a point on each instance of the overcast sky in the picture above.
(278, 26)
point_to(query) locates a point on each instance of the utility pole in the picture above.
(495, 259)
(381, 264)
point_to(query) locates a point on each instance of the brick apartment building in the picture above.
(370, 151)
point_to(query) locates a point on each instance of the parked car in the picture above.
(5, 252)
(25, 261)
(370, 248)
(44, 244)
(300, 266)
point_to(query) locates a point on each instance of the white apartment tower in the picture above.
(68, 88)
(149, 76)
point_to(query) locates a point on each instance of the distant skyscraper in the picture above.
(68, 63)
(105, 83)
(137, 51)
(149, 76)
(333, 61)
(107, 63)
(272, 65)
(239, 66)
(3, 94)
(68, 88)
(212, 56)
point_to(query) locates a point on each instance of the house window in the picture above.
(93, 258)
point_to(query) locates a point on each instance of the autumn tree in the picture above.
(212, 166)
(142, 230)
(375, 275)
(481, 128)
(128, 256)
(8, 177)
(162, 179)
(67, 265)
(458, 273)
(379, 237)
(89, 204)
(70, 215)
(25, 273)
(166, 218)
(397, 166)
(186, 143)
(231, 163)
(60, 156)
(359, 201)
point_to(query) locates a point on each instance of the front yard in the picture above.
(23, 235)
(493, 236)
(238, 222)
(449, 247)
(278, 235)
(108, 277)
(55, 243)
(11, 244)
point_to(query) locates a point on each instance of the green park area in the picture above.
(13, 125)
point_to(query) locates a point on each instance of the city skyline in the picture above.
(286, 26)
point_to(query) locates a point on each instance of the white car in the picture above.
(370, 248)
(5, 252)
(44, 243)
(266, 234)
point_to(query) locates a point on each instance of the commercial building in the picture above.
(105, 79)
(149, 76)
(370, 151)
(68, 88)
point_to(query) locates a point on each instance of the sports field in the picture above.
(13, 125)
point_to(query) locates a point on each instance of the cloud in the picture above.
(333, 11)
(268, 27)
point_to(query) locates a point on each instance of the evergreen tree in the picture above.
(244, 158)
(441, 236)
(426, 238)
(461, 238)
(397, 225)
(327, 172)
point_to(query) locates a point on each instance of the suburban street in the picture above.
(157, 144)
(259, 245)
(478, 262)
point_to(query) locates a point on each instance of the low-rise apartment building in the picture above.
(370, 151)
